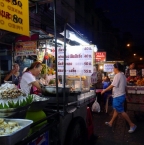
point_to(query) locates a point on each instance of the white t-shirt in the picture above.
(119, 83)
(25, 83)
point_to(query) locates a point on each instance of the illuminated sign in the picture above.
(14, 16)
(100, 56)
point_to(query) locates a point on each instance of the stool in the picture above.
(107, 101)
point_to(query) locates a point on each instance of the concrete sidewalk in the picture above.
(118, 134)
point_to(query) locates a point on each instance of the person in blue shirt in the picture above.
(106, 82)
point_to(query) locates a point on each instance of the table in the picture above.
(135, 99)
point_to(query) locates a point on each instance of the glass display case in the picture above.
(78, 83)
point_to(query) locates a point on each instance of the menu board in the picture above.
(79, 60)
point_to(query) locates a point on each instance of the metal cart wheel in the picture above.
(77, 132)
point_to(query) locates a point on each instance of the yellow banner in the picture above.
(14, 16)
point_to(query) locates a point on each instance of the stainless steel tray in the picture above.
(13, 138)
(11, 111)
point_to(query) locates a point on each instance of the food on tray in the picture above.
(83, 77)
(11, 93)
(77, 77)
(10, 103)
(72, 89)
(8, 127)
(140, 82)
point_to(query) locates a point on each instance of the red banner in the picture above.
(100, 56)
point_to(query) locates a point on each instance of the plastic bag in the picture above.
(95, 106)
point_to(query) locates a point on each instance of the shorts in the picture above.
(118, 103)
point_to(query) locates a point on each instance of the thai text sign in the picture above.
(79, 60)
(133, 72)
(100, 56)
(108, 67)
(14, 16)
(26, 48)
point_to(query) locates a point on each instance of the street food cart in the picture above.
(66, 118)
(64, 104)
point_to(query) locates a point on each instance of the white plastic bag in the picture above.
(95, 106)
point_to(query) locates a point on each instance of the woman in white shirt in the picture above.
(28, 79)
(119, 94)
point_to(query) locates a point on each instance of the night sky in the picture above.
(127, 15)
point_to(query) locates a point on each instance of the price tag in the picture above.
(133, 72)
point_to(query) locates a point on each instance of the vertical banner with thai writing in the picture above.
(14, 16)
(26, 48)
(79, 60)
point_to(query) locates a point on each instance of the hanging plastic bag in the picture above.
(95, 106)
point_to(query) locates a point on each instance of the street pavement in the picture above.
(118, 134)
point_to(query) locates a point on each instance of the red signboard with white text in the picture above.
(100, 56)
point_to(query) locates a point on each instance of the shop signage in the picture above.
(100, 56)
(26, 48)
(133, 72)
(14, 16)
(108, 67)
(79, 60)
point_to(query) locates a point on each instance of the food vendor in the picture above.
(14, 74)
(28, 79)
(27, 83)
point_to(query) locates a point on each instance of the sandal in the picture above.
(107, 123)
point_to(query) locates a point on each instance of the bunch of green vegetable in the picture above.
(19, 103)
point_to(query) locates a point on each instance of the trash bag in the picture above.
(95, 106)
